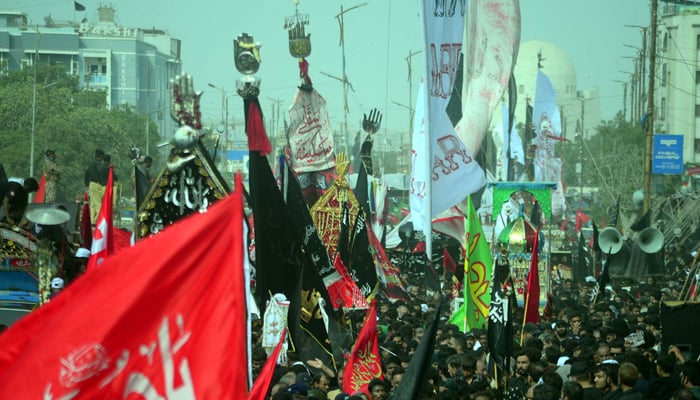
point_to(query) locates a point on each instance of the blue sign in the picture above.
(667, 155)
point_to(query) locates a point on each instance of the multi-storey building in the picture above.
(677, 80)
(132, 65)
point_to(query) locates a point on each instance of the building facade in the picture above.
(677, 78)
(132, 65)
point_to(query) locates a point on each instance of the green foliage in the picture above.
(71, 121)
(613, 161)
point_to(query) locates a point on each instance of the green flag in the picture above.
(459, 318)
(478, 268)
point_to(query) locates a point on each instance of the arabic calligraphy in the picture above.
(91, 361)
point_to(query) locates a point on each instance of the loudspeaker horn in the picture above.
(610, 240)
(651, 240)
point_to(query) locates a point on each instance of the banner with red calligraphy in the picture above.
(311, 135)
(364, 363)
(163, 319)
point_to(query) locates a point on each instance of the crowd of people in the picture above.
(612, 350)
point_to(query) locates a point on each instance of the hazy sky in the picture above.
(378, 36)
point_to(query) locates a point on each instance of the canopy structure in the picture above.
(519, 236)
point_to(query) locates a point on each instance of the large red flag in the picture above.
(103, 237)
(342, 289)
(162, 319)
(41, 192)
(532, 295)
(262, 382)
(364, 363)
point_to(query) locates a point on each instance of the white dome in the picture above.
(557, 65)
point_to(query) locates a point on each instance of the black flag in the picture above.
(142, 184)
(601, 282)
(317, 265)
(361, 265)
(79, 7)
(417, 371)
(500, 326)
(278, 255)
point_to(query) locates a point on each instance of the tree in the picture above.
(613, 161)
(71, 121)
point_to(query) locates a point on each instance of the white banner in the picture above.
(493, 39)
(439, 157)
(311, 136)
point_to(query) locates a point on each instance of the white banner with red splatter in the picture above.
(311, 136)
(492, 37)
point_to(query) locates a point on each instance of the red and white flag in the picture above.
(262, 382)
(162, 320)
(103, 237)
(364, 363)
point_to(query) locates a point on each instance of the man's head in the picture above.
(321, 381)
(690, 374)
(99, 154)
(377, 389)
(30, 185)
(50, 154)
(627, 375)
(523, 360)
(605, 377)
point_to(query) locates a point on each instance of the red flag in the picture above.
(581, 219)
(387, 274)
(448, 262)
(85, 226)
(342, 289)
(532, 295)
(364, 363)
(41, 192)
(103, 237)
(257, 137)
(419, 248)
(262, 382)
(122, 239)
(162, 319)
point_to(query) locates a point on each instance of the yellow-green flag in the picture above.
(478, 268)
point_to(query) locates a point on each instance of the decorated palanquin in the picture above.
(328, 210)
(19, 281)
(16, 248)
(517, 237)
(190, 182)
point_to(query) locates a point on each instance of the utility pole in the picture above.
(624, 98)
(275, 116)
(341, 24)
(410, 89)
(650, 104)
(31, 151)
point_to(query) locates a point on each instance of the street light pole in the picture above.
(650, 104)
(223, 106)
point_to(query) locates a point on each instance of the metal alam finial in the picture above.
(299, 40)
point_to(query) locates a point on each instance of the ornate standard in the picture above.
(190, 182)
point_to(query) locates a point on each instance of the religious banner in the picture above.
(146, 324)
(364, 363)
(311, 135)
(443, 171)
(492, 35)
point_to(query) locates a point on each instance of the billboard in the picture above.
(667, 155)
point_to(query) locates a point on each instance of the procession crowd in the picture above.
(611, 350)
